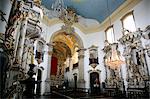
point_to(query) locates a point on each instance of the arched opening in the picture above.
(64, 59)
(75, 35)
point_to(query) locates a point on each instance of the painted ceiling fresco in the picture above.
(92, 9)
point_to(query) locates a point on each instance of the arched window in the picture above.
(109, 33)
(128, 22)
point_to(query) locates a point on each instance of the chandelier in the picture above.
(113, 60)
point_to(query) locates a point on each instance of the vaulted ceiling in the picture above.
(64, 45)
(92, 9)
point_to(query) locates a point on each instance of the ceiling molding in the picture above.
(117, 14)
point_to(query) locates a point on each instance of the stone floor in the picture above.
(56, 95)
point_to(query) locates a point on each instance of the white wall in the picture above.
(142, 14)
(97, 40)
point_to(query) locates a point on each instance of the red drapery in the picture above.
(54, 62)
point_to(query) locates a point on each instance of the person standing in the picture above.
(97, 86)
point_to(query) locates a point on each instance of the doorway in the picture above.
(94, 83)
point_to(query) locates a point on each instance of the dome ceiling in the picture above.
(92, 9)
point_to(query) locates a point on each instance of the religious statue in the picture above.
(97, 86)
(107, 51)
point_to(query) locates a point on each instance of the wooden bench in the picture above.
(113, 92)
(137, 92)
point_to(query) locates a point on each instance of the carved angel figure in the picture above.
(107, 50)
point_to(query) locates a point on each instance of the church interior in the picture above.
(74, 49)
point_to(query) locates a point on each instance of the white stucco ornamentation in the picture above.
(135, 59)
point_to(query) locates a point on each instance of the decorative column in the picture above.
(47, 81)
(81, 68)
(21, 41)
(25, 53)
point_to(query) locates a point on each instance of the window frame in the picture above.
(109, 27)
(125, 16)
